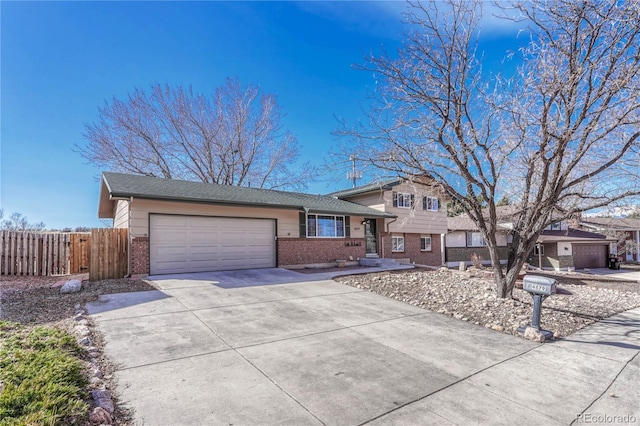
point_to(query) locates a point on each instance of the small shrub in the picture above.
(476, 260)
(43, 380)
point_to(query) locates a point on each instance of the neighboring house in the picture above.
(414, 234)
(464, 241)
(625, 230)
(179, 226)
(568, 248)
(558, 247)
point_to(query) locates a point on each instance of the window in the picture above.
(540, 251)
(475, 239)
(425, 243)
(430, 203)
(397, 243)
(555, 226)
(325, 226)
(403, 200)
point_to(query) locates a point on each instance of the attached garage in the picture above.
(179, 244)
(590, 255)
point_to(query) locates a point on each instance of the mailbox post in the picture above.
(540, 288)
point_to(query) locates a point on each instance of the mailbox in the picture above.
(536, 284)
(540, 288)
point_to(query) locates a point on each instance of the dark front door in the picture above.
(370, 236)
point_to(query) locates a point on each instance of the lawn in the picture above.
(42, 376)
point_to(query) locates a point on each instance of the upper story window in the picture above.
(475, 239)
(403, 200)
(556, 226)
(430, 203)
(325, 226)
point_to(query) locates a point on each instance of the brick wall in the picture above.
(300, 251)
(463, 254)
(140, 255)
(412, 249)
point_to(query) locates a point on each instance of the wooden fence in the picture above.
(109, 257)
(102, 253)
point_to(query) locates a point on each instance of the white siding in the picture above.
(459, 239)
(456, 239)
(121, 215)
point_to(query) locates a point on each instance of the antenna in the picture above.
(354, 174)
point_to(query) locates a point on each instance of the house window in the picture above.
(555, 226)
(425, 243)
(475, 239)
(430, 203)
(397, 244)
(538, 250)
(325, 226)
(403, 200)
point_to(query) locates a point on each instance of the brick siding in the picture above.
(140, 255)
(300, 251)
(412, 249)
(463, 254)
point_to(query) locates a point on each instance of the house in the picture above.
(179, 226)
(419, 219)
(558, 247)
(463, 241)
(625, 230)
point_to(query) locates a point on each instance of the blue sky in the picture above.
(61, 60)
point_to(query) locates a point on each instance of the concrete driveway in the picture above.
(212, 349)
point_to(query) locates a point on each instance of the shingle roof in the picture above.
(125, 186)
(375, 186)
(617, 224)
(571, 234)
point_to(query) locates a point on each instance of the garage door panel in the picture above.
(590, 256)
(197, 244)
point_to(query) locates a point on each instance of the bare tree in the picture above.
(18, 222)
(557, 137)
(233, 137)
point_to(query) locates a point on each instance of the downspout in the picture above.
(442, 252)
(638, 246)
(388, 232)
(129, 238)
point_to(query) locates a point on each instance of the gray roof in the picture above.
(612, 223)
(121, 185)
(572, 235)
(375, 186)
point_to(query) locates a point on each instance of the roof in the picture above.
(611, 223)
(572, 235)
(375, 186)
(119, 185)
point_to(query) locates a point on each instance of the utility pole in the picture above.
(354, 174)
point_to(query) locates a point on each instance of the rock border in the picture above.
(104, 407)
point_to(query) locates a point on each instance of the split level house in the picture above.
(179, 226)
(559, 247)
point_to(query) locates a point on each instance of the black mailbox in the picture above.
(536, 284)
(539, 288)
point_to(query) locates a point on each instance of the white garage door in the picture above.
(180, 244)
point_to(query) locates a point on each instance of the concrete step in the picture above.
(380, 262)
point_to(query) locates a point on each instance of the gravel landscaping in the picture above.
(470, 296)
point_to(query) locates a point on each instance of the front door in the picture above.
(370, 236)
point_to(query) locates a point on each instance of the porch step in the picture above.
(381, 262)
